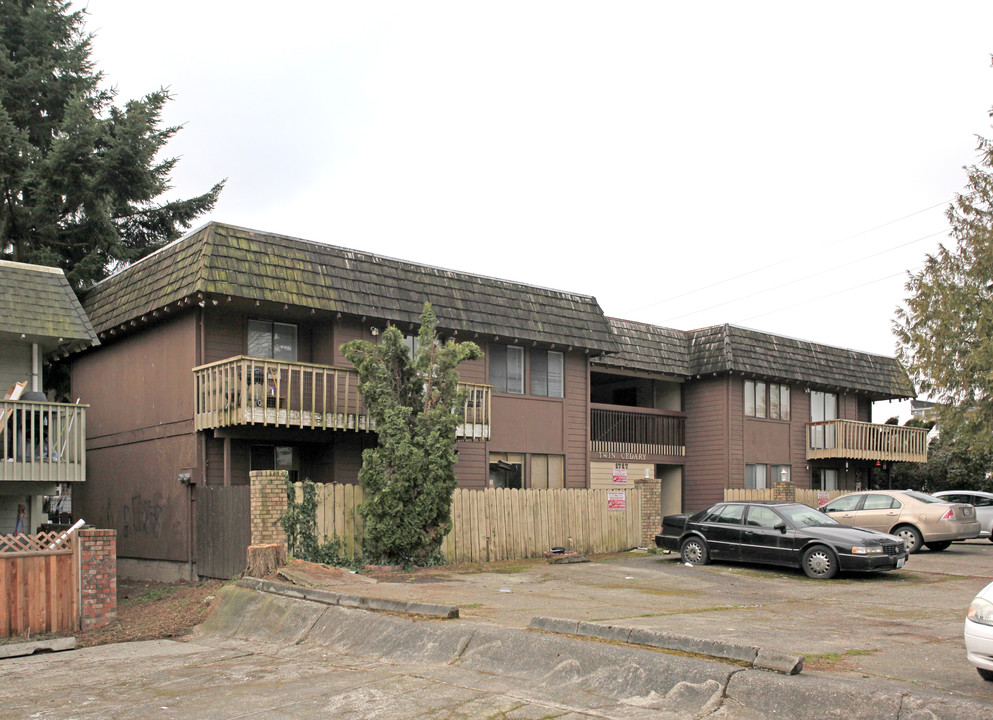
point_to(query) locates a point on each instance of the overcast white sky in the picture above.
(774, 165)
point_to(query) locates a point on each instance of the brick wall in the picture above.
(651, 509)
(784, 491)
(97, 577)
(268, 497)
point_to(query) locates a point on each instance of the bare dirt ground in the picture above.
(149, 610)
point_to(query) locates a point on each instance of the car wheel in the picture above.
(694, 551)
(911, 537)
(820, 562)
(985, 674)
(938, 546)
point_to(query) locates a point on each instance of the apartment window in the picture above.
(770, 400)
(276, 457)
(507, 369)
(823, 407)
(824, 479)
(506, 470)
(780, 473)
(547, 471)
(547, 373)
(272, 340)
(756, 476)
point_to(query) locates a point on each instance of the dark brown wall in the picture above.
(706, 466)
(139, 436)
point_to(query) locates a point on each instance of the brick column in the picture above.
(97, 577)
(268, 505)
(651, 509)
(784, 491)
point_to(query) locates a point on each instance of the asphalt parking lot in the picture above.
(904, 625)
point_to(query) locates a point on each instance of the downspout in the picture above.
(35, 368)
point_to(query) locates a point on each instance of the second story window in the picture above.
(771, 400)
(547, 373)
(507, 369)
(272, 340)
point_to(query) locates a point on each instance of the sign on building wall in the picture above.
(616, 500)
(620, 474)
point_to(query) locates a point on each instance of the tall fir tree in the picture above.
(945, 330)
(80, 179)
(409, 477)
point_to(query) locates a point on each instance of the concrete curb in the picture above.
(560, 663)
(745, 654)
(30, 648)
(326, 597)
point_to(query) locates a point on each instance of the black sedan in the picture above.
(790, 534)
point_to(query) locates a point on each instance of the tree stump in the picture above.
(263, 560)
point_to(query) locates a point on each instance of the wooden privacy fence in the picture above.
(803, 495)
(38, 584)
(503, 524)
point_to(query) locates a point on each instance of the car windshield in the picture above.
(924, 498)
(803, 516)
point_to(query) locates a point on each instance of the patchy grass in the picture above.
(834, 661)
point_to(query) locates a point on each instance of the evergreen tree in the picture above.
(945, 330)
(79, 176)
(409, 478)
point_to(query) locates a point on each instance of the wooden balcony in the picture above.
(271, 393)
(631, 433)
(42, 442)
(852, 440)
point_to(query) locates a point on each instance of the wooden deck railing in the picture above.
(854, 440)
(254, 391)
(42, 441)
(637, 430)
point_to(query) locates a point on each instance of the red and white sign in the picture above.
(620, 475)
(617, 500)
(822, 498)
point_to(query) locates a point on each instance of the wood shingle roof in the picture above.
(222, 260)
(37, 305)
(727, 348)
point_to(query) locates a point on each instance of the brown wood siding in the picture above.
(767, 441)
(134, 489)
(524, 424)
(735, 471)
(471, 470)
(800, 416)
(577, 418)
(225, 335)
(144, 381)
(706, 443)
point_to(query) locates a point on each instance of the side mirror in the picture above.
(780, 526)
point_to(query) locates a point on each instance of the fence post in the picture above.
(97, 577)
(268, 504)
(651, 509)
(784, 491)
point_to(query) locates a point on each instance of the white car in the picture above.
(982, 501)
(979, 632)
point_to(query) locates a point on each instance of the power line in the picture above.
(785, 260)
(805, 278)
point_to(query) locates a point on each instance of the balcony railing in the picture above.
(849, 439)
(255, 391)
(42, 441)
(637, 431)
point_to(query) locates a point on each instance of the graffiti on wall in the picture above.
(142, 516)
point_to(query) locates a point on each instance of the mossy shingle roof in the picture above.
(37, 303)
(727, 348)
(222, 260)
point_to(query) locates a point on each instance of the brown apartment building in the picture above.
(220, 354)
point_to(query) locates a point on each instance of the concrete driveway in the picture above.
(904, 625)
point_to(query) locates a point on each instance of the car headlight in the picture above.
(981, 611)
(867, 550)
